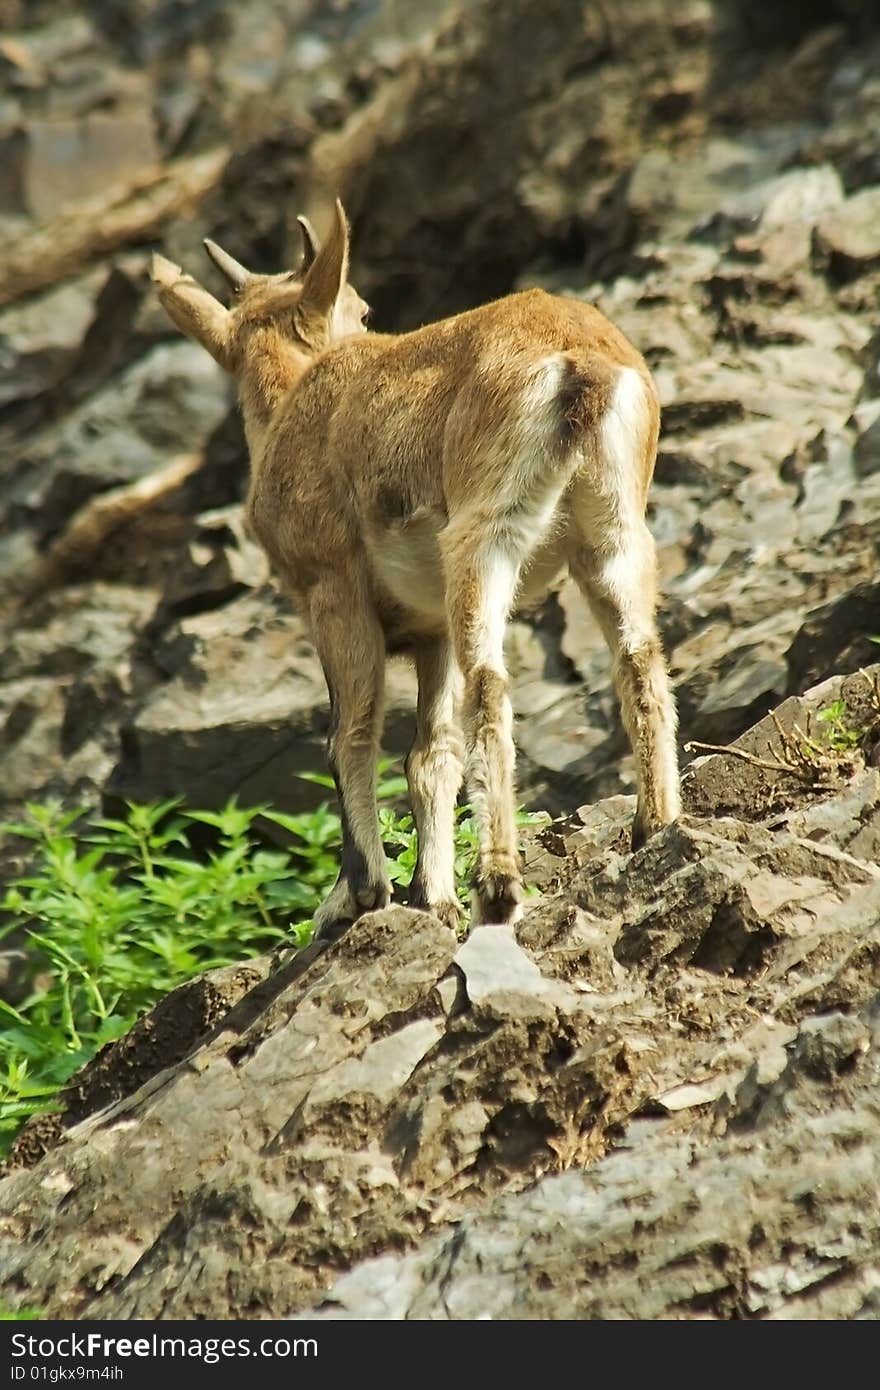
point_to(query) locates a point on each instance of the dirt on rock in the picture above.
(159, 1040)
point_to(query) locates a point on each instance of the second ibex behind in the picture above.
(411, 490)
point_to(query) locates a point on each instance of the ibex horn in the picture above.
(227, 265)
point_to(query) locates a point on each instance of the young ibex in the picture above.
(410, 490)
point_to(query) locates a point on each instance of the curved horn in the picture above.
(227, 265)
(311, 245)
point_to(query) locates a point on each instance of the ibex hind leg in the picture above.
(352, 651)
(642, 684)
(613, 563)
(481, 582)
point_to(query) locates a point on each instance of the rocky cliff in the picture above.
(659, 1097)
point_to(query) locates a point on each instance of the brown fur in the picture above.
(409, 489)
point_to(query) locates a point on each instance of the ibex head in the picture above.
(311, 307)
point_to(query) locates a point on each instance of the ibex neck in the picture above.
(273, 366)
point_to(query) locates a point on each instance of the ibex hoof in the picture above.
(642, 830)
(373, 897)
(496, 898)
(332, 930)
(344, 906)
(638, 835)
(450, 914)
(449, 910)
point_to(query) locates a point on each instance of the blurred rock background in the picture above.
(708, 173)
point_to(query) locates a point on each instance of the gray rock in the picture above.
(836, 637)
(798, 195)
(678, 1029)
(499, 977)
(66, 673)
(167, 402)
(359, 1101)
(244, 712)
(39, 339)
(68, 161)
(77, 628)
(847, 241)
(598, 1244)
(870, 357)
(867, 450)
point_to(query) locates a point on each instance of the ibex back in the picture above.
(410, 491)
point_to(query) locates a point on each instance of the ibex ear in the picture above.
(311, 245)
(324, 280)
(196, 312)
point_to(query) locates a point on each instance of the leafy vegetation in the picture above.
(116, 912)
(840, 734)
(8, 1314)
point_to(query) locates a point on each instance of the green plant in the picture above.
(836, 752)
(118, 911)
(8, 1314)
(840, 735)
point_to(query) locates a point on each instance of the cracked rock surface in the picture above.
(657, 1097)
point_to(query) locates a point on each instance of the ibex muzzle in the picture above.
(412, 489)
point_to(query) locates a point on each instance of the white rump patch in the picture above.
(624, 427)
(528, 459)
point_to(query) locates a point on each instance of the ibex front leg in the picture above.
(433, 770)
(481, 580)
(352, 650)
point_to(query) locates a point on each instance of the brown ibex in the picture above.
(410, 490)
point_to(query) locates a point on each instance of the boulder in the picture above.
(866, 453)
(242, 711)
(167, 402)
(68, 161)
(39, 339)
(836, 637)
(847, 241)
(66, 677)
(753, 1234)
